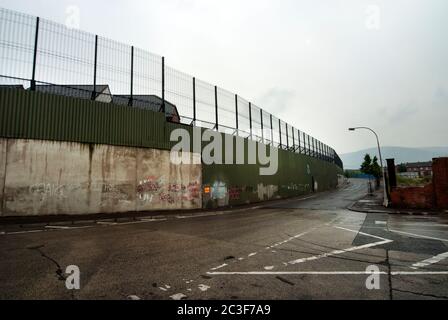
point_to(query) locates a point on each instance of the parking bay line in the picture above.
(336, 252)
(430, 261)
(418, 235)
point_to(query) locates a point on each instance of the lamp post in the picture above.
(386, 200)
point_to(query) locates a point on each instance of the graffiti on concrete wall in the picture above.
(154, 188)
(266, 192)
(48, 190)
(235, 193)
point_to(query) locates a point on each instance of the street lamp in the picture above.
(386, 200)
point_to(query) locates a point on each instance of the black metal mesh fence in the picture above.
(41, 55)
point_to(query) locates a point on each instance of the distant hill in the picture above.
(401, 155)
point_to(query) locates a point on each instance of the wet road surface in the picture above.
(313, 248)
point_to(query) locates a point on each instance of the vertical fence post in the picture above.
(298, 134)
(250, 119)
(304, 143)
(272, 131)
(194, 101)
(287, 136)
(280, 132)
(293, 140)
(163, 86)
(36, 40)
(216, 108)
(95, 66)
(236, 115)
(309, 146)
(319, 149)
(262, 126)
(131, 99)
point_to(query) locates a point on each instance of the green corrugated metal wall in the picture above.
(33, 115)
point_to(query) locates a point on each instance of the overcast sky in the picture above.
(322, 66)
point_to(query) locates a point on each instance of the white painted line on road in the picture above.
(178, 296)
(153, 220)
(336, 252)
(24, 232)
(252, 254)
(430, 261)
(220, 267)
(274, 273)
(200, 215)
(381, 222)
(106, 223)
(66, 228)
(203, 287)
(57, 227)
(418, 235)
(363, 233)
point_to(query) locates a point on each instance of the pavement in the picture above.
(308, 248)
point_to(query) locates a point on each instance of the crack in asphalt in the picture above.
(422, 294)
(59, 273)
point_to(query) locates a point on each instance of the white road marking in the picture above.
(200, 215)
(178, 296)
(203, 287)
(153, 220)
(163, 289)
(66, 227)
(430, 261)
(252, 254)
(134, 297)
(269, 268)
(418, 235)
(220, 267)
(273, 273)
(336, 252)
(106, 223)
(57, 227)
(381, 222)
(24, 232)
(363, 233)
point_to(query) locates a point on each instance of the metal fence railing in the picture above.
(41, 55)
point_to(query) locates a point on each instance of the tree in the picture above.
(372, 168)
(367, 164)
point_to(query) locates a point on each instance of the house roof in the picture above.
(11, 86)
(419, 164)
(151, 102)
(73, 90)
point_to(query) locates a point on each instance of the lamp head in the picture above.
(351, 129)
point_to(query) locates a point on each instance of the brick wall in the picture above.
(440, 182)
(413, 197)
(434, 195)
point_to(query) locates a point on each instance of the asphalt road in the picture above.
(313, 248)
